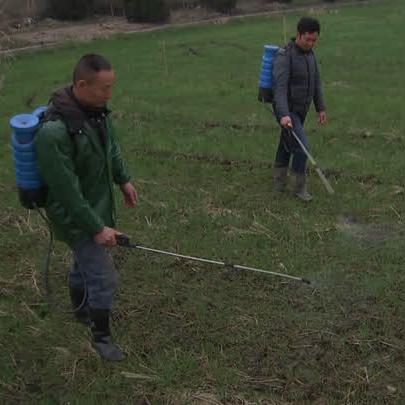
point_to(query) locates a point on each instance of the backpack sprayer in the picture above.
(266, 96)
(266, 74)
(32, 189)
(33, 192)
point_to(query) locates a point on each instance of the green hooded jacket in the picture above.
(80, 160)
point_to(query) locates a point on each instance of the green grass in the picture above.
(200, 149)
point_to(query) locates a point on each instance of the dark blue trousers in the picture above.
(289, 146)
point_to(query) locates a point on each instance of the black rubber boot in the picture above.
(79, 306)
(101, 338)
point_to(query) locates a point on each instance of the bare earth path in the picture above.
(49, 33)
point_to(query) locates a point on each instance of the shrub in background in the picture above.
(223, 6)
(71, 9)
(146, 10)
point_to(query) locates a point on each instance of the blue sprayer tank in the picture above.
(266, 79)
(31, 187)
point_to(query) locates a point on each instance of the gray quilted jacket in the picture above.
(296, 82)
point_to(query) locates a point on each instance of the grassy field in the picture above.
(200, 149)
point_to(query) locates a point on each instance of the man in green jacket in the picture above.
(80, 160)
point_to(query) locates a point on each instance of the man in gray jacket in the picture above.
(296, 84)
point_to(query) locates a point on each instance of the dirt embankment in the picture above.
(30, 34)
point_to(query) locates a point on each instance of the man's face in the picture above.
(97, 91)
(307, 40)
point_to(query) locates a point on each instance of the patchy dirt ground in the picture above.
(51, 31)
(27, 32)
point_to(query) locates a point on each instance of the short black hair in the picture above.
(89, 65)
(308, 24)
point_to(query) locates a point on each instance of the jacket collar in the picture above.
(297, 48)
(65, 105)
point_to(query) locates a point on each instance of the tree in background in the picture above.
(223, 6)
(146, 10)
(72, 9)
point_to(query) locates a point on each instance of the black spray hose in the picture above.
(124, 240)
(47, 266)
